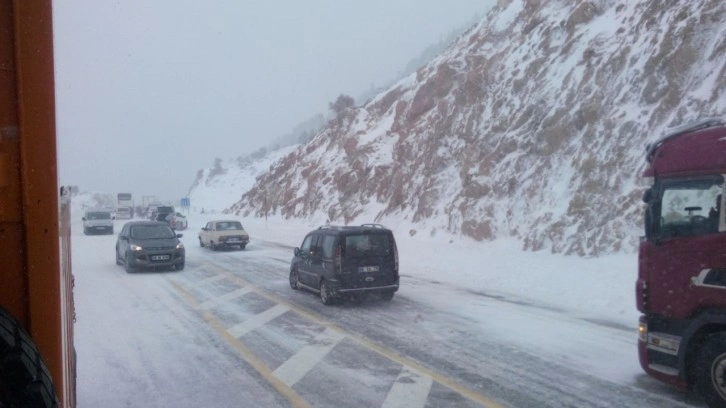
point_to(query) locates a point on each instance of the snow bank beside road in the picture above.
(599, 289)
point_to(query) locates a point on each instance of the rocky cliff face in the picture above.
(532, 125)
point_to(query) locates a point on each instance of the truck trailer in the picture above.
(37, 355)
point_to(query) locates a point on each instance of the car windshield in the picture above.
(98, 216)
(229, 225)
(151, 232)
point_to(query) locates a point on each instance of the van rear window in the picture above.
(367, 245)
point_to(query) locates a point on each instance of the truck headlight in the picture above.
(643, 332)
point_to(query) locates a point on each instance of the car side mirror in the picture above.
(84, 218)
(204, 228)
(113, 218)
(124, 238)
(179, 235)
(297, 251)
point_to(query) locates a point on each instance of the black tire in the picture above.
(201, 244)
(85, 231)
(327, 296)
(294, 279)
(242, 247)
(179, 266)
(24, 378)
(387, 296)
(127, 264)
(711, 370)
(118, 260)
(212, 245)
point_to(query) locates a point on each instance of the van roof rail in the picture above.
(679, 130)
(328, 226)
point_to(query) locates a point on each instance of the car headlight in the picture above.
(180, 246)
(135, 247)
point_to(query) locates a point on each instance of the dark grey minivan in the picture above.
(350, 261)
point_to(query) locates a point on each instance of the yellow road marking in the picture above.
(295, 399)
(363, 341)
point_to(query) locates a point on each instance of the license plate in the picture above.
(367, 269)
(160, 257)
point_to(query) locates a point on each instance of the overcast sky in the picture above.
(150, 91)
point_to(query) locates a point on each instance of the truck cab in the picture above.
(681, 284)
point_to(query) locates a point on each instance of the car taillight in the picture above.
(338, 259)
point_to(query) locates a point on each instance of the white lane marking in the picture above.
(292, 370)
(212, 279)
(411, 390)
(223, 299)
(256, 321)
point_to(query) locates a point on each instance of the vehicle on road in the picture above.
(220, 234)
(97, 221)
(149, 244)
(37, 310)
(681, 285)
(347, 261)
(179, 221)
(123, 213)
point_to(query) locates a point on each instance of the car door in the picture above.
(316, 261)
(205, 233)
(303, 266)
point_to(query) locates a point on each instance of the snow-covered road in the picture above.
(228, 331)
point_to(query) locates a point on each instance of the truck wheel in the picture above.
(711, 370)
(24, 377)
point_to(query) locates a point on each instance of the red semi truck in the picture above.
(681, 285)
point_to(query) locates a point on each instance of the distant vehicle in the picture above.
(149, 244)
(161, 213)
(125, 200)
(351, 261)
(123, 213)
(223, 234)
(179, 221)
(98, 221)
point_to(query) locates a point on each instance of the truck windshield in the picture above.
(689, 207)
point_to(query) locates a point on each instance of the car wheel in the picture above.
(24, 377)
(127, 264)
(212, 245)
(327, 296)
(85, 231)
(387, 296)
(201, 244)
(711, 370)
(294, 279)
(241, 247)
(118, 260)
(180, 266)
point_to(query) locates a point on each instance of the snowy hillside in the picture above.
(225, 182)
(531, 126)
